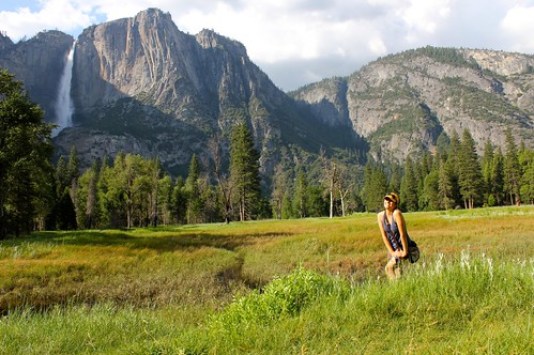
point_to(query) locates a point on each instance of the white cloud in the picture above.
(64, 15)
(309, 38)
(377, 46)
(519, 25)
(425, 15)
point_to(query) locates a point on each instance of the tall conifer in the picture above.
(469, 172)
(512, 169)
(409, 187)
(244, 172)
(25, 170)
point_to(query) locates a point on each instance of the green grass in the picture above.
(302, 286)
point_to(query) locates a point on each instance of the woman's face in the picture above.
(388, 204)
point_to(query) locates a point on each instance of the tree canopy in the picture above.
(25, 169)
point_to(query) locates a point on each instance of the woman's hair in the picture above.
(393, 197)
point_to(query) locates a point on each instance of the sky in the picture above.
(297, 42)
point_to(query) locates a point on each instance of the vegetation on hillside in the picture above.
(444, 55)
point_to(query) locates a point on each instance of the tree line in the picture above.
(456, 176)
(132, 191)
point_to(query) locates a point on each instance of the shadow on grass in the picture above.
(165, 241)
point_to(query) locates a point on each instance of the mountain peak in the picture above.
(5, 41)
(153, 13)
(211, 39)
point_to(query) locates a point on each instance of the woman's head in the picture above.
(393, 198)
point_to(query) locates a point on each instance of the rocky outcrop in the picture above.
(327, 100)
(402, 103)
(38, 63)
(141, 85)
(5, 42)
(199, 86)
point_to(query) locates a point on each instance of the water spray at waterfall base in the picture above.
(64, 106)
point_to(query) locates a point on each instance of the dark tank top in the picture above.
(392, 233)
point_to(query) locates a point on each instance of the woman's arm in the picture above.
(380, 218)
(399, 219)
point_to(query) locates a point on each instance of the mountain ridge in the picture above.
(440, 88)
(141, 85)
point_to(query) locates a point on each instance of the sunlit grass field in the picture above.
(312, 286)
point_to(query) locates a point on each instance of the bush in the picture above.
(286, 296)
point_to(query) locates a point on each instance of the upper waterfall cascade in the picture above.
(64, 105)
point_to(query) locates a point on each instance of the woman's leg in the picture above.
(392, 269)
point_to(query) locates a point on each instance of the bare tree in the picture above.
(330, 178)
(344, 186)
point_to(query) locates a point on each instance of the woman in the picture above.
(394, 234)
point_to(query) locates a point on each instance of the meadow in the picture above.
(307, 286)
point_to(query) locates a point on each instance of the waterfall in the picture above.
(64, 105)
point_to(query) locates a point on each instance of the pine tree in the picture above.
(318, 206)
(179, 202)
(497, 187)
(73, 165)
(442, 145)
(192, 189)
(66, 213)
(527, 180)
(452, 167)
(62, 176)
(300, 200)
(395, 177)
(375, 186)
(487, 173)
(431, 198)
(512, 169)
(25, 149)
(409, 187)
(164, 199)
(73, 173)
(422, 168)
(445, 187)
(154, 172)
(469, 172)
(244, 172)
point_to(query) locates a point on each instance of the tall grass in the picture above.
(303, 286)
(472, 306)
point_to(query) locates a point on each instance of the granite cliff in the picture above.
(141, 85)
(401, 103)
(38, 63)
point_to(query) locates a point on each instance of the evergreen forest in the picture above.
(129, 190)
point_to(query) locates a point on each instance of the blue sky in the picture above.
(13, 5)
(301, 41)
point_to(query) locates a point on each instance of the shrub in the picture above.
(288, 295)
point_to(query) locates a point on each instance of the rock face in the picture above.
(327, 100)
(38, 63)
(402, 103)
(5, 42)
(141, 85)
(169, 92)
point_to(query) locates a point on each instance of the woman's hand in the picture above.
(400, 254)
